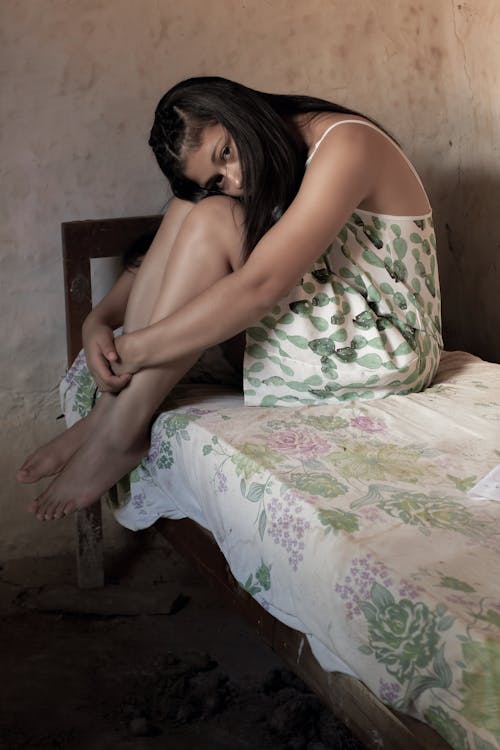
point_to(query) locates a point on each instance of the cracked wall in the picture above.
(81, 80)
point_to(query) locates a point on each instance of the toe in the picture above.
(23, 474)
(40, 514)
(69, 508)
(41, 505)
(50, 510)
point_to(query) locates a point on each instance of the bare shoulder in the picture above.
(354, 152)
(343, 166)
(349, 136)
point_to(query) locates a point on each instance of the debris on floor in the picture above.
(152, 661)
(280, 710)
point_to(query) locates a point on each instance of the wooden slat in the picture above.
(89, 550)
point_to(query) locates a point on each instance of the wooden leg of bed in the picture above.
(89, 558)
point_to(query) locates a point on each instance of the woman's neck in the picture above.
(307, 128)
(300, 128)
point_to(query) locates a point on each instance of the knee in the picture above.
(178, 209)
(217, 211)
(217, 220)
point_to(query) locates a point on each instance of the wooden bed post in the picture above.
(81, 241)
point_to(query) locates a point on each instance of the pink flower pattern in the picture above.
(364, 573)
(367, 424)
(287, 526)
(299, 443)
(389, 691)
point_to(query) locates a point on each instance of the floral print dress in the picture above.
(364, 321)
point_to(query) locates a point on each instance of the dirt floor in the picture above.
(153, 660)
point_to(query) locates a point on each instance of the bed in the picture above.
(360, 539)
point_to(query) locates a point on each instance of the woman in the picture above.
(294, 219)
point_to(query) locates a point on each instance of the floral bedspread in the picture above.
(354, 524)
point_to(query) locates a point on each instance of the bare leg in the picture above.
(51, 458)
(207, 247)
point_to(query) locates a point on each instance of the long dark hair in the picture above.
(272, 158)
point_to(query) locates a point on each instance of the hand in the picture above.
(124, 362)
(100, 352)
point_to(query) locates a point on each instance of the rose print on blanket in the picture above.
(304, 444)
(368, 424)
(402, 634)
(371, 460)
(408, 637)
(436, 512)
(326, 423)
(426, 512)
(363, 574)
(252, 458)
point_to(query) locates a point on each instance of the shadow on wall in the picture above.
(465, 207)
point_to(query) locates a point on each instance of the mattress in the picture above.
(372, 527)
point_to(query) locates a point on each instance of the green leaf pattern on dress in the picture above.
(376, 278)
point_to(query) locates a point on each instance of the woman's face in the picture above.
(215, 165)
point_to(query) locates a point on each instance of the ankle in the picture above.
(126, 434)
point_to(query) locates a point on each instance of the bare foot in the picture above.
(52, 457)
(99, 463)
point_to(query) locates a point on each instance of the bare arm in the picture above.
(98, 339)
(333, 186)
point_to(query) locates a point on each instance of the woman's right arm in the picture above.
(97, 334)
(332, 188)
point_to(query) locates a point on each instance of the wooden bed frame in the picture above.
(350, 700)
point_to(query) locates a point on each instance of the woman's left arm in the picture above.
(340, 177)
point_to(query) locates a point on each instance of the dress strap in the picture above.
(374, 127)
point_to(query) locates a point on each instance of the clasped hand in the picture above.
(123, 364)
(106, 357)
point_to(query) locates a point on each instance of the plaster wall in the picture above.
(80, 80)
